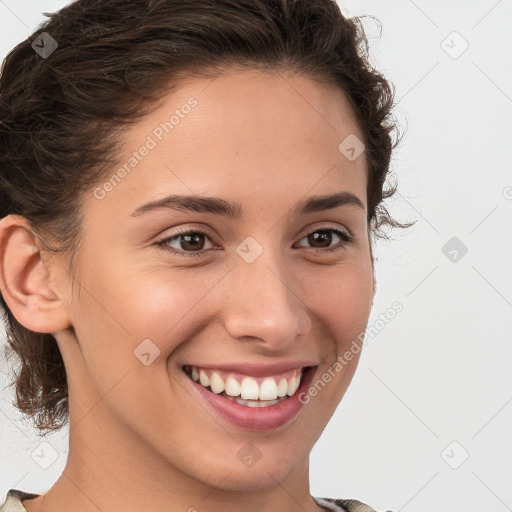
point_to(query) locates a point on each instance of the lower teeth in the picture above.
(253, 403)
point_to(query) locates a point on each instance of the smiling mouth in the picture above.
(246, 390)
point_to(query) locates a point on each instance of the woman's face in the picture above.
(249, 300)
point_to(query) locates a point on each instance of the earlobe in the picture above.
(25, 279)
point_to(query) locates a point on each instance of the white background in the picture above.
(439, 372)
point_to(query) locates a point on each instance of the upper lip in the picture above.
(255, 370)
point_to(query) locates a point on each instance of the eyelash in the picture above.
(162, 243)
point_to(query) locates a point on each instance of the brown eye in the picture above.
(187, 243)
(322, 239)
(192, 242)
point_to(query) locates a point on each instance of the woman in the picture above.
(189, 195)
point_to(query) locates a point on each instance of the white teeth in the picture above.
(203, 378)
(216, 383)
(249, 389)
(293, 385)
(268, 389)
(232, 387)
(282, 388)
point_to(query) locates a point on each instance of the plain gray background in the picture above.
(426, 422)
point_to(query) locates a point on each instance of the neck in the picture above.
(111, 469)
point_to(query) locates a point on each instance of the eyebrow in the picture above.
(218, 206)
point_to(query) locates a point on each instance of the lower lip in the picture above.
(255, 418)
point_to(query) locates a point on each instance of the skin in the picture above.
(133, 427)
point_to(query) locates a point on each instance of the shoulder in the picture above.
(339, 505)
(14, 501)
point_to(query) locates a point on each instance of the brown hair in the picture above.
(62, 116)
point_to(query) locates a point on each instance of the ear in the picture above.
(25, 279)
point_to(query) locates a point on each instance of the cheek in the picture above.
(120, 317)
(127, 308)
(173, 306)
(341, 300)
(124, 322)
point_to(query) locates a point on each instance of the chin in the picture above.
(253, 479)
(274, 466)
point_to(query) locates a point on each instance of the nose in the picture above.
(264, 304)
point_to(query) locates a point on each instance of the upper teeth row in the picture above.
(248, 388)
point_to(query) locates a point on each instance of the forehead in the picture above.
(237, 134)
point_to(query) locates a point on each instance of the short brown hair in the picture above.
(61, 116)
